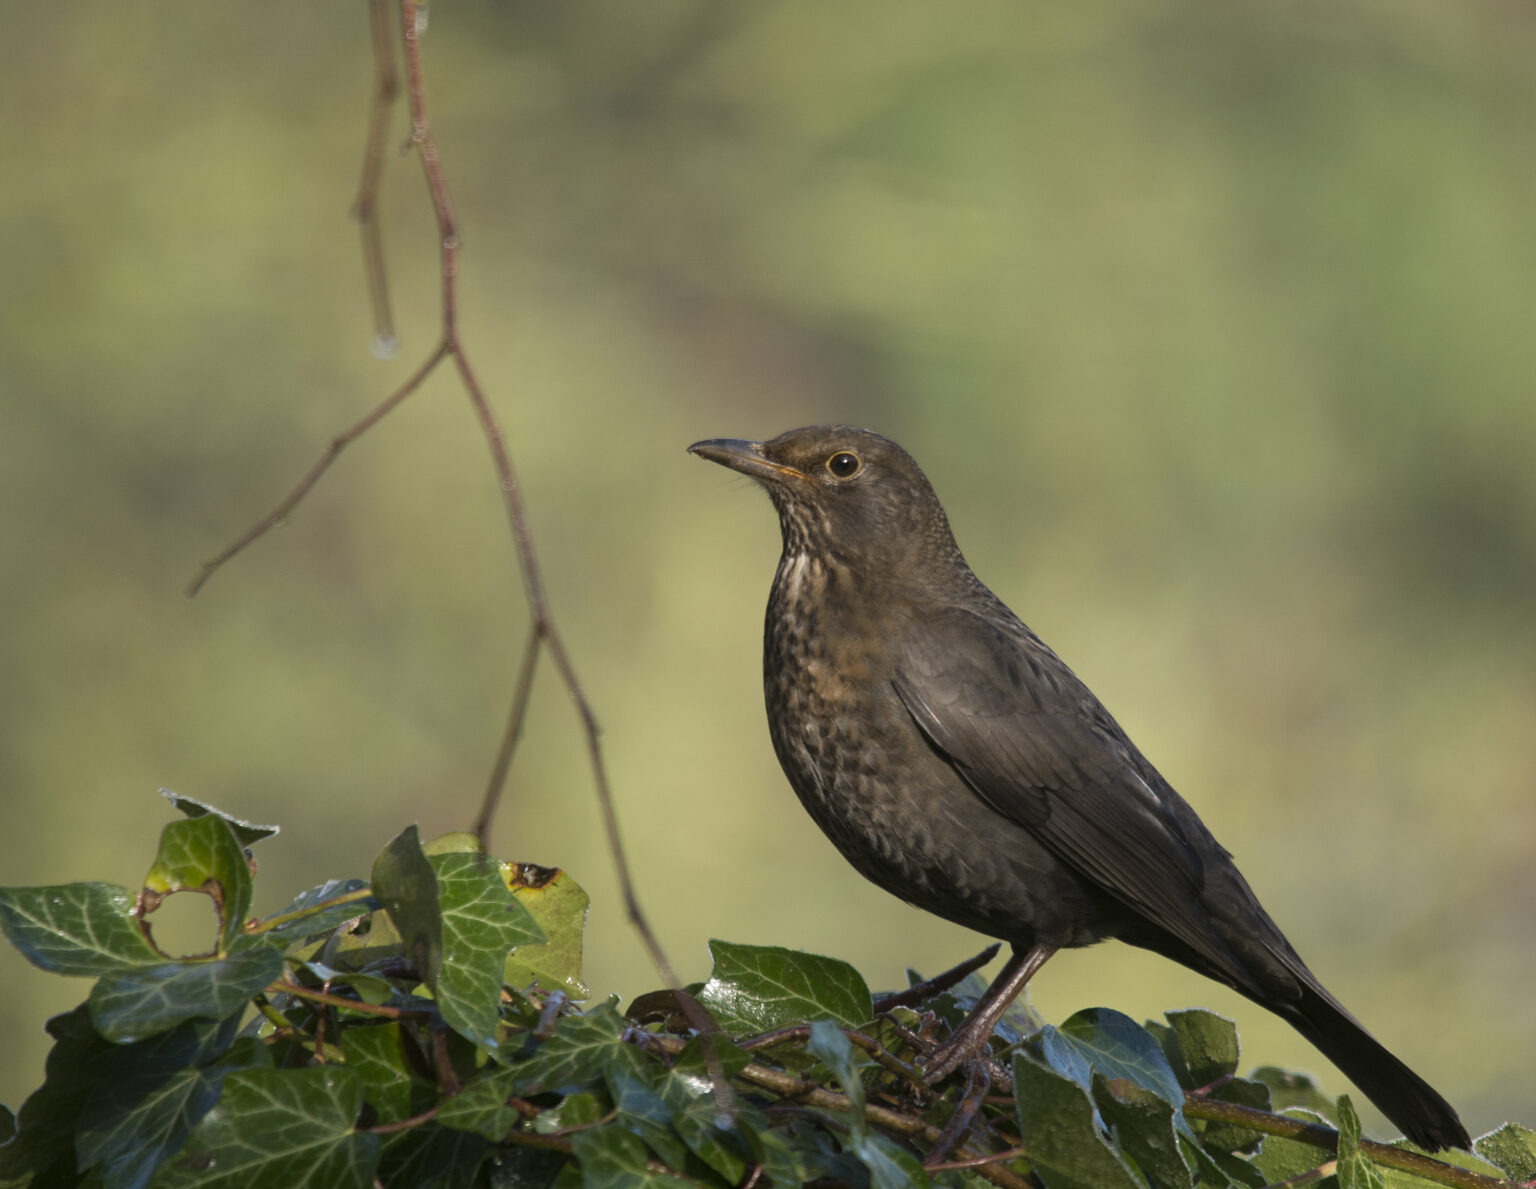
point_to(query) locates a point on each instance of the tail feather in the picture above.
(1402, 1095)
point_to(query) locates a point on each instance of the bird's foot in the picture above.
(978, 1080)
(967, 1044)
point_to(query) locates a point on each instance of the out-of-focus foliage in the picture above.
(1209, 321)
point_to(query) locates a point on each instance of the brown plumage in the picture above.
(957, 762)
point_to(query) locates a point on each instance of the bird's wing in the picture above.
(1038, 748)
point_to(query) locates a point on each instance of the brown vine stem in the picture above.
(543, 633)
(1326, 1138)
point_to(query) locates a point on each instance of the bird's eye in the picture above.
(844, 465)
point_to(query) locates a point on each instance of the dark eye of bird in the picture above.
(844, 465)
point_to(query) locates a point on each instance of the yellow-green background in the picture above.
(1212, 323)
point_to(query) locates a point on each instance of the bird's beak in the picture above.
(746, 457)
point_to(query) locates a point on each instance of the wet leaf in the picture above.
(755, 988)
(146, 1000)
(1114, 1045)
(81, 929)
(1512, 1149)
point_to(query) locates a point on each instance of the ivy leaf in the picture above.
(246, 832)
(481, 923)
(481, 1106)
(202, 854)
(642, 1112)
(81, 929)
(312, 912)
(1233, 1137)
(1355, 1168)
(612, 1158)
(1282, 1159)
(289, 1127)
(377, 1053)
(406, 886)
(1146, 1128)
(831, 1047)
(1060, 1133)
(150, 1096)
(1207, 1042)
(558, 905)
(148, 999)
(1104, 1041)
(756, 988)
(1287, 1089)
(436, 1158)
(1511, 1149)
(43, 1150)
(576, 1055)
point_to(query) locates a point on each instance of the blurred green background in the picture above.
(1212, 324)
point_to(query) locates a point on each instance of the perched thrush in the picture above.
(957, 762)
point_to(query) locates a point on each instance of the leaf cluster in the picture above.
(428, 1028)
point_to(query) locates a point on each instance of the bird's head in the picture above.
(843, 493)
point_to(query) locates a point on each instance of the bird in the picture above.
(957, 762)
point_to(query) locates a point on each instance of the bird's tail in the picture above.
(1402, 1095)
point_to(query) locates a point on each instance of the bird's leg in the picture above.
(974, 1032)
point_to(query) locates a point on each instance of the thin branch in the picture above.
(920, 992)
(299, 914)
(371, 1009)
(365, 209)
(509, 738)
(280, 514)
(1328, 1139)
(543, 632)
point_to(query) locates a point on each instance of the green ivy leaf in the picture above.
(149, 999)
(1282, 1159)
(202, 854)
(1511, 1149)
(406, 886)
(1355, 1168)
(150, 1096)
(757, 988)
(1287, 1089)
(558, 905)
(1233, 1137)
(481, 922)
(435, 1158)
(481, 1106)
(828, 1045)
(1207, 1042)
(1146, 1127)
(246, 832)
(81, 929)
(576, 1055)
(612, 1158)
(1104, 1041)
(641, 1110)
(377, 1053)
(289, 1127)
(43, 1150)
(1060, 1133)
(313, 912)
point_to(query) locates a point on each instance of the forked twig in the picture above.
(543, 633)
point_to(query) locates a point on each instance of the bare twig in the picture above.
(919, 992)
(280, 514)
(543, 633)
(365, 209)
(509, 737)
(1328, 1139)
